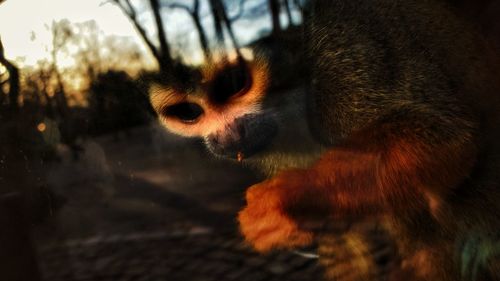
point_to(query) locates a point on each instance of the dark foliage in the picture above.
(117, 102)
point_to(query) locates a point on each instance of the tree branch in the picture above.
(194, 12)
(130, 12)
(196, 7)
(183, 7)
(166, 60)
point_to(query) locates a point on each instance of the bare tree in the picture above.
(194, 12)
(162, 52)
(221, 19)
(12, 80)
(166, 59)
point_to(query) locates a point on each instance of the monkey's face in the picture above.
(225, 109)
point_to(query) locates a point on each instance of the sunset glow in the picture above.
(25, 24)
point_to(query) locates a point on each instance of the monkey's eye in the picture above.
(187, 112)
(229, 82)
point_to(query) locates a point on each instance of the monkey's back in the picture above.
(373, 59)
(371, 56)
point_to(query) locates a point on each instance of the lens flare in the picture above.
(41, 127)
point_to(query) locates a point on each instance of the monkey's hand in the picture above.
(266, 221)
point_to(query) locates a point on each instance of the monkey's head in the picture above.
(224, 108)
(229, 106)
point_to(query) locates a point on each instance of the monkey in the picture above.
(399, 123)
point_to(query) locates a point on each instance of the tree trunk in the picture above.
(286, 4)
(221, 19)
(13, 85)
(195, 16)
(274, 8)
(13, 80)
(227, 22)
(60, 95)
(131, 13)
(201, 32)
(218, 21)
(203, 38)
(166, 61)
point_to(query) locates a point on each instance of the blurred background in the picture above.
(91, 187)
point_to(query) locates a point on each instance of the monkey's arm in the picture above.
(405, 163)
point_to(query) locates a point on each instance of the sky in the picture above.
(25, 26)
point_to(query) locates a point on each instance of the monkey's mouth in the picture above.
(244, 137)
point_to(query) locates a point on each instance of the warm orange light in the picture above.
(41, 127)
(239, 156)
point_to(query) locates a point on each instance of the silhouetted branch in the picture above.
(195, 16)
(131, 13)
(166, 62)
(60, 36)
(221, 19)
(274, 8)
(180, 6)
(286, 4)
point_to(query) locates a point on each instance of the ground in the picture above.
(147, 205)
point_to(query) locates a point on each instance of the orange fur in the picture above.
(371, 174)
(216, 117)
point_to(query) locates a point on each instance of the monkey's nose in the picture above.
(246, 136)
(186, 112)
